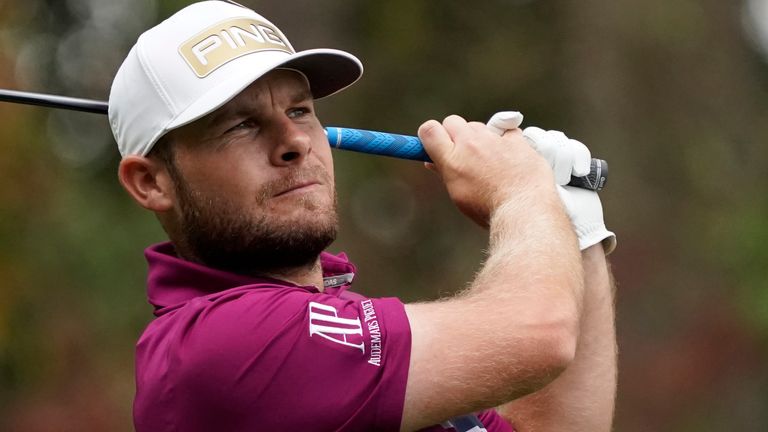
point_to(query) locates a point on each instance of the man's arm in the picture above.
(515, 329)
(582, 397)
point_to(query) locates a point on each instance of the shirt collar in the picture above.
(173, 281)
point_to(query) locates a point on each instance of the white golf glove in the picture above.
(584, 208)
(567, 157)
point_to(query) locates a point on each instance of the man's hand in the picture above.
(567, 157)
(481, 169)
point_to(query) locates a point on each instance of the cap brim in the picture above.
(328, 71)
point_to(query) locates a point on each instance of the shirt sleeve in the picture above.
(286, 359)
(493, 422)
(490, 419)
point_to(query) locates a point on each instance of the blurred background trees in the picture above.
(673, 94)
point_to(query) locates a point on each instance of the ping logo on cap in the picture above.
(221, 43)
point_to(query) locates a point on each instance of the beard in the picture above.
(222, 235)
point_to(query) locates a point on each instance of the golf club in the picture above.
(358, 140)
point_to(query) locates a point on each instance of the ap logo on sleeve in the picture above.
(324, 321)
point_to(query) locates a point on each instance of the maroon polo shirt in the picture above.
(238, 353)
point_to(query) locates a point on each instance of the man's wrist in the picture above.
(512, 219)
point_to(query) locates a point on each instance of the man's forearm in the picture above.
(515, 328)
(582, 397)
(513, 331)
(531, 291)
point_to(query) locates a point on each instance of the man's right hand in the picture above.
(480, 169)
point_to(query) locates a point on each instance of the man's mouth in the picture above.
(298, 188)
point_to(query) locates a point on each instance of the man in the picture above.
(256, 329)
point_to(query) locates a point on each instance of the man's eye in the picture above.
(298, 112)
(247, 124)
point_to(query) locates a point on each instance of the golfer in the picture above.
(257, 328)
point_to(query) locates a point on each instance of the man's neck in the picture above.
(307, 275)
(311, 275)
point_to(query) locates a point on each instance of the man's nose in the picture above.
(293, 143)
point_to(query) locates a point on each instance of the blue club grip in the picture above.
(409, 147)
(378, 143)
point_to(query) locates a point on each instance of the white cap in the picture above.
(200, 58)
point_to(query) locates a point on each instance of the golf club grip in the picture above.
(409, 147)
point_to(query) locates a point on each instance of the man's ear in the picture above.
(148, 182)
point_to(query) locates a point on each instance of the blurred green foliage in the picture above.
(673, 94)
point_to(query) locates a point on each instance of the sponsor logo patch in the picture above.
(221, 43)
(324, 321)
(374, 330)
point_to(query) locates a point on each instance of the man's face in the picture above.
(254, 181)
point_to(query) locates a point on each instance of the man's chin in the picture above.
(282, 233)
(308, 215)
(275, 244)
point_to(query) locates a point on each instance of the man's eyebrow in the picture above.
(301, 95)
(229, 112)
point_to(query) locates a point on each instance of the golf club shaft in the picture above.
(53, 101)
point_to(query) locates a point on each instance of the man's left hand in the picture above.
(567, 157)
